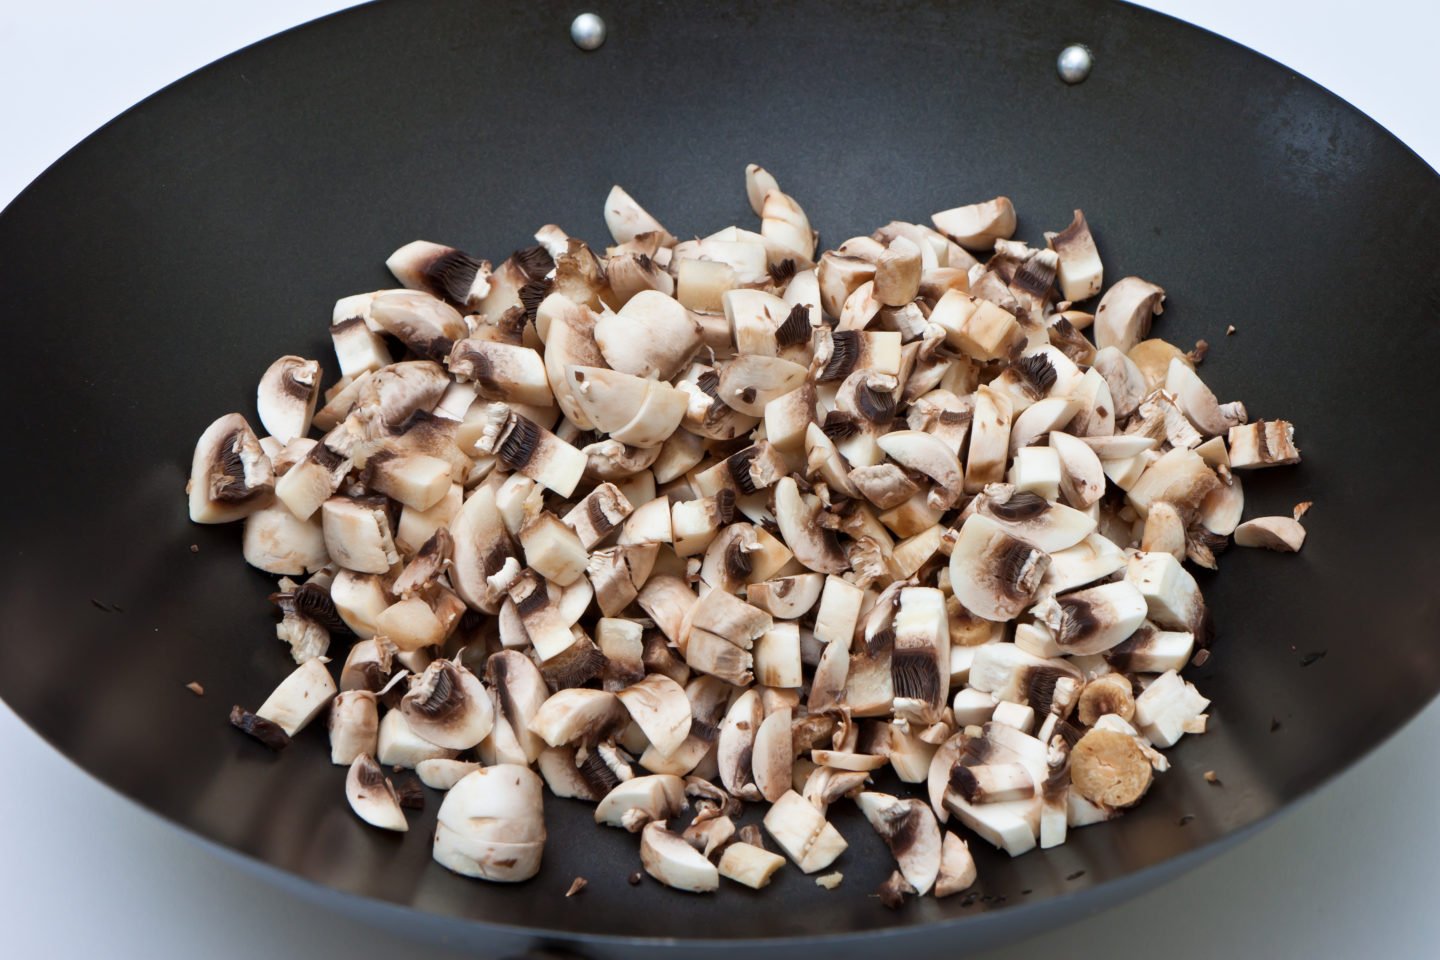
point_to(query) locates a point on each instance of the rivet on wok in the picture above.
(1073, 64)
(588, 31)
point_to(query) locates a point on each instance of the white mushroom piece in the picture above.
(372, 795)
(491, 825)
(286, 398)
(734, 523)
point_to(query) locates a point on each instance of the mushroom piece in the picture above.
(1171, 595)
(627, 220)
(357, 534)
(632, 410)
(1198, 402)
(897, 273)
(300, 697)
(910, 831)
(286, 397)
(927, 454)
(528, 448)
(787, 598)
(772, 755)
(1093, 620)
(803, 833)
(491, 825)
(748, 383)
(448, 706)
(278, 542)
(660, 707)
(748, 864)
(633, 803)
(501, 371)
(440, 773)
(667, 857)
(1264, 443)
(230, 475)
(1125, 312)
(651, 335)
(1080, 272)
(1050, 527)
(372, 796)
(399, 746)
(358, 349)
(425, 324)
(1108, 694)
(989, 440)
(957, 867)
(1180, 477)
(441, 271)
(354, 726)
(979, 225)
(736, 743)
(1110, 769)
(1272, 533)
(1167, 706)
(579, 715)
(993, 573)
(814, 546)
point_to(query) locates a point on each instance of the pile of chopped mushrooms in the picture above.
(705, 523)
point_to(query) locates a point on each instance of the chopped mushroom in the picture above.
(737, 521)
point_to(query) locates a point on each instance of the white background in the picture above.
(82, 872)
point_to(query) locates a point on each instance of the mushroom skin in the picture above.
(372, 796)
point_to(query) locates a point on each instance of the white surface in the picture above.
(1351, 873)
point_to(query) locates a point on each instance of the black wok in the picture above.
(152, 274)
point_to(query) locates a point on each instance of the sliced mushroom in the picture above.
(300, 697)
(491, 825)
(448, 706)
(354, 726)
(1171, 595)
(1125, 312)
(748, 864)
(1046, 526)
(993, 573)
(578, 715)
(957, 867)
(277, 541)
(1166, 708)
(660, 707)
(526, 447)
(1110, 769)
(813, 545)
(425, 324)
(1109, 694)
(979, 225)
(989, 440)
(1093, 620)
(736, 743)
(440, 773)
(668, 858)
(286, 397)
(633, 803)
(230, 475)
(772, 755)
(910, 831)
(1272, 533)
(1180, 477)
(627, 220)
(372, 796)
(803, 833)
(501, 371)
(1264, 443)
(1080, 271)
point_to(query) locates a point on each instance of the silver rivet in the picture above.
(588, 31)
(1074, 63)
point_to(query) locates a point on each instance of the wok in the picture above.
(154, 272)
